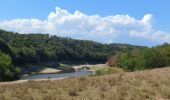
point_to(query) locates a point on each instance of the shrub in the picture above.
(106, 71)
(144, 59)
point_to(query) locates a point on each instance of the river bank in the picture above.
(87, 67)
(55, 67)
(62, 68)
(62, 72)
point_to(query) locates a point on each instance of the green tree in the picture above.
(7, 71)
(127, 61)
(150, 58)
(4, 47)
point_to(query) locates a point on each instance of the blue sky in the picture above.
(41, 9)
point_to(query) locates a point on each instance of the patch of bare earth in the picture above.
(140, 85)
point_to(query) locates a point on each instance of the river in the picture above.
(78, 73)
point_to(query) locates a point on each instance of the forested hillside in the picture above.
(33, 48)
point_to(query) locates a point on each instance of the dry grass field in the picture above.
(140, 85)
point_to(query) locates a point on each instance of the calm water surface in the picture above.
(60, 75)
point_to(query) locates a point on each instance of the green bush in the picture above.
(107, 71)
(144, 59)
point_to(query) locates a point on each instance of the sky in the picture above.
(144, 22)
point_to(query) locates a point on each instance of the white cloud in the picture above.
(118, 28)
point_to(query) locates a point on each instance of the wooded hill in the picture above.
(33, 48)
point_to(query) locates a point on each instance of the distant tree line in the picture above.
(147, 58)
(22, 49)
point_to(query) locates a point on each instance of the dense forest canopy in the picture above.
(33, 48)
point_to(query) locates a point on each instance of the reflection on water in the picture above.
(60, 75)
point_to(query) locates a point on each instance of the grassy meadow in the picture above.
(149, 84)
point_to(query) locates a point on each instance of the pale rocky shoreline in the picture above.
(77, 67)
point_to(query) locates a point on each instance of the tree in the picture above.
(127, 61)
(4, 47)
(7, 71)
(150, 58)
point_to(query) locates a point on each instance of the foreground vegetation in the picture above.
(141, 85)
(107, 71)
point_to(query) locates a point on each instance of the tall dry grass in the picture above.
(142, 85)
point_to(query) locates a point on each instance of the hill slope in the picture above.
(139, 85)
(33, 48)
